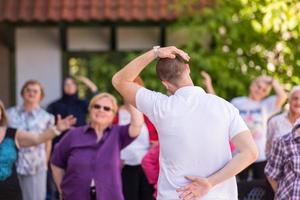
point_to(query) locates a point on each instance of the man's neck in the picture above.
(184, 83)
(28, 107)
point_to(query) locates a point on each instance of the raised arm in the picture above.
(207, 82)
(92, 86)
(281, 95)
(26, 139)
(123, 80)
(247, 154)
(136, 123)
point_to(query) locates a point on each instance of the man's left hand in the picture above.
(194, 190)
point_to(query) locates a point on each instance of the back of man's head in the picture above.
(170, 70)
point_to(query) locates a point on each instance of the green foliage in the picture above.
(237, 40)
(234, 41)
(101, 67)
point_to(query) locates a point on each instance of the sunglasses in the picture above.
(99, 107)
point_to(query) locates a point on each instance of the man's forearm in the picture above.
(239, 162)
(134, 68)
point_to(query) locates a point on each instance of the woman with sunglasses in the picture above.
(86, 162)
(10, 141)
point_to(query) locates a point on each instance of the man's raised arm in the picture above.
(123, 80)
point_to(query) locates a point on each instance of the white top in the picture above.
(278, 126)
(31, 160)
(194, 130)
(256, 115)
(134, 153)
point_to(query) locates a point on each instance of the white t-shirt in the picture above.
(256, 115)
(134, 153)
(194, 131)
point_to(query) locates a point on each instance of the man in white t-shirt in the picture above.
(256, 109)
(194, 129)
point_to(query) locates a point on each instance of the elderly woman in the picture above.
(10, 141)
(86, 162)
(283, 123)
(283, 169)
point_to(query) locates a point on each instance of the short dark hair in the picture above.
(168, 69)
(4, 119)
(33, 82)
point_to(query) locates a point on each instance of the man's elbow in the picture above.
(115, 81)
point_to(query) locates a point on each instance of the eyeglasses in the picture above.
(99, 107)
(28, 90)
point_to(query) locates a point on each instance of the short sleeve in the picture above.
(124, 137)
(274, 167)
(237, 124)
(51, 120)
(148, 101)
(270, 105)
(62, 150)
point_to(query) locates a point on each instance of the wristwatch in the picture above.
(155, 50)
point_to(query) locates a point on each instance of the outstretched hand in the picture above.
(172, 52)
(194, 190)
(66, 123)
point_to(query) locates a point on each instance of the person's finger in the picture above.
(185, 194)
(192, 178)
(184, 188)
(58, 117)
(190, 196)
(73, 121)
(172, 56)
(184, 55)
(204, 74)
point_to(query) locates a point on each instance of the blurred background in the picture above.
(233, 40)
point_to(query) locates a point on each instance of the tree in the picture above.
(237, 40)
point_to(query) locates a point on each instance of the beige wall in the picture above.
(4, 75)
(38, 56)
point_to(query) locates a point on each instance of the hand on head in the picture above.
(172, 52)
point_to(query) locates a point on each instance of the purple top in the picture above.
(84, 159)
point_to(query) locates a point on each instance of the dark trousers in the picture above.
(255, 190)
(257, 170)
(135, 184)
